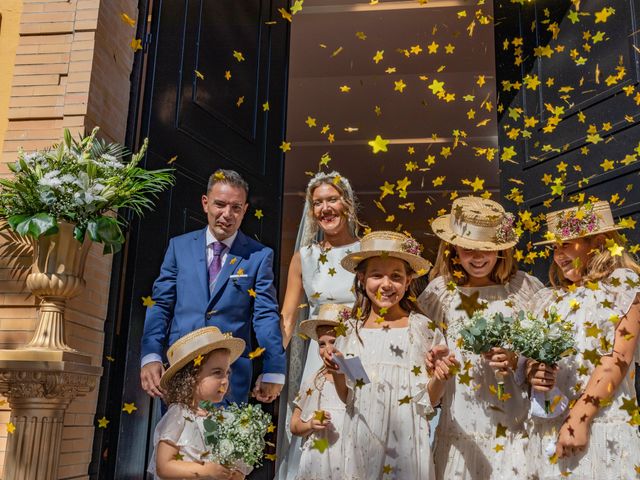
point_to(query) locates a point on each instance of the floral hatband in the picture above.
(505, 232)
(411, 246)
(577, 223)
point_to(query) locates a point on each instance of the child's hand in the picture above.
(216, 471)
(430, 362)
(573, 438)
(318, 425)
(541, 377)
(445, 363)
(236, 475)
(501, 360)
(327, 357)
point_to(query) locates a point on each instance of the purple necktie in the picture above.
(216, 263)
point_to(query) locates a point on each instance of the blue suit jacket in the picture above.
(183, 303)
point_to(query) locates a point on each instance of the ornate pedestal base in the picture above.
(40, 385)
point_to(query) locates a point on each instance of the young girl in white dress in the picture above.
(596, 287)
(199, 370)
(318, 415)
(479, 436)
(386, 430)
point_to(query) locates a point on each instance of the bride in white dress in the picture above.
(329, 232)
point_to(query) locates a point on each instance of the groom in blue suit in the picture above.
(218, 277)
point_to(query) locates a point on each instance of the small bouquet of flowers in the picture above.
(545, 340)
(236, 435)
(482, 333)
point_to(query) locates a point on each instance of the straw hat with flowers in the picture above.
(392, 244)
(329, 314)
(580, 221)
(199, 342)
(477, 223)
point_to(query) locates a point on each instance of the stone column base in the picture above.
(39, 386)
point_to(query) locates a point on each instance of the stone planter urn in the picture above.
(57, 275)
(42, 378)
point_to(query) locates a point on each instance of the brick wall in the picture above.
(71, 69)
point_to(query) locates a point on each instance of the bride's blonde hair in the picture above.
(505, 268)
(601, 263)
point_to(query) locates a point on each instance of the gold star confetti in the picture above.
(148, 301)
(103, 422)
(378, 144)
(129, 407)
(256, 353)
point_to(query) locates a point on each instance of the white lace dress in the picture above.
(479, 436)
(386, 429)
(319, 393)
(614, 444)
(183, 429)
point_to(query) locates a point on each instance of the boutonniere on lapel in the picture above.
(239, 274)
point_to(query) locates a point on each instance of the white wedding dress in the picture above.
(324, 281)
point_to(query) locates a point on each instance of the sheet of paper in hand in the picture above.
(352, 367)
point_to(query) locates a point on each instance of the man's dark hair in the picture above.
(230, 177)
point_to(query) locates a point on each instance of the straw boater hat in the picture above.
(199, 342)
(476, 223)
(329, 314)
(581, 221)
(392, 244)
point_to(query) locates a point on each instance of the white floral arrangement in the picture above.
(84, 182)
(236, 434)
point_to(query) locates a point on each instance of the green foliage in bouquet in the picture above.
(80, 182)
(236, 434)
(545, 340)
(482, 333)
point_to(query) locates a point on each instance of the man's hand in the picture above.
(150, 379)
(266, 392)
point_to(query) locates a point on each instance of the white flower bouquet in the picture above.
(83, 182)
(482, 333)
(544, 340)
(236, 435)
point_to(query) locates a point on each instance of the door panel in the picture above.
(191, 116)
(586, 87)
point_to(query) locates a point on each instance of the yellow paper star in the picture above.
(103, 422)
(11, 428)
(148, 301)
(378, 144)
(320, 444)
(136, 44)
(377, 58)
(198, 361)
(129, 407)
(252, 293)
(285, 146)
(405, 400)
(128, 20)
(256, 353)
(199, 74)
(258, 214)
(238, 56)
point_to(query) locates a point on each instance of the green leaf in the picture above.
(37, 225)
(67, 138)
(106, 230)
(78, 233)
(15, 220)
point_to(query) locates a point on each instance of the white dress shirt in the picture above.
(210, 240)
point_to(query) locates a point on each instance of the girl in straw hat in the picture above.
(479, 435)
(596, 285)
(319, 413)
(386, 431)
(198, 371)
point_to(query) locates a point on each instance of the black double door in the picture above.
(212, 95)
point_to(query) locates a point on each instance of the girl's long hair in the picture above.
(504, 269)
(601, 263)
(362, 306)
